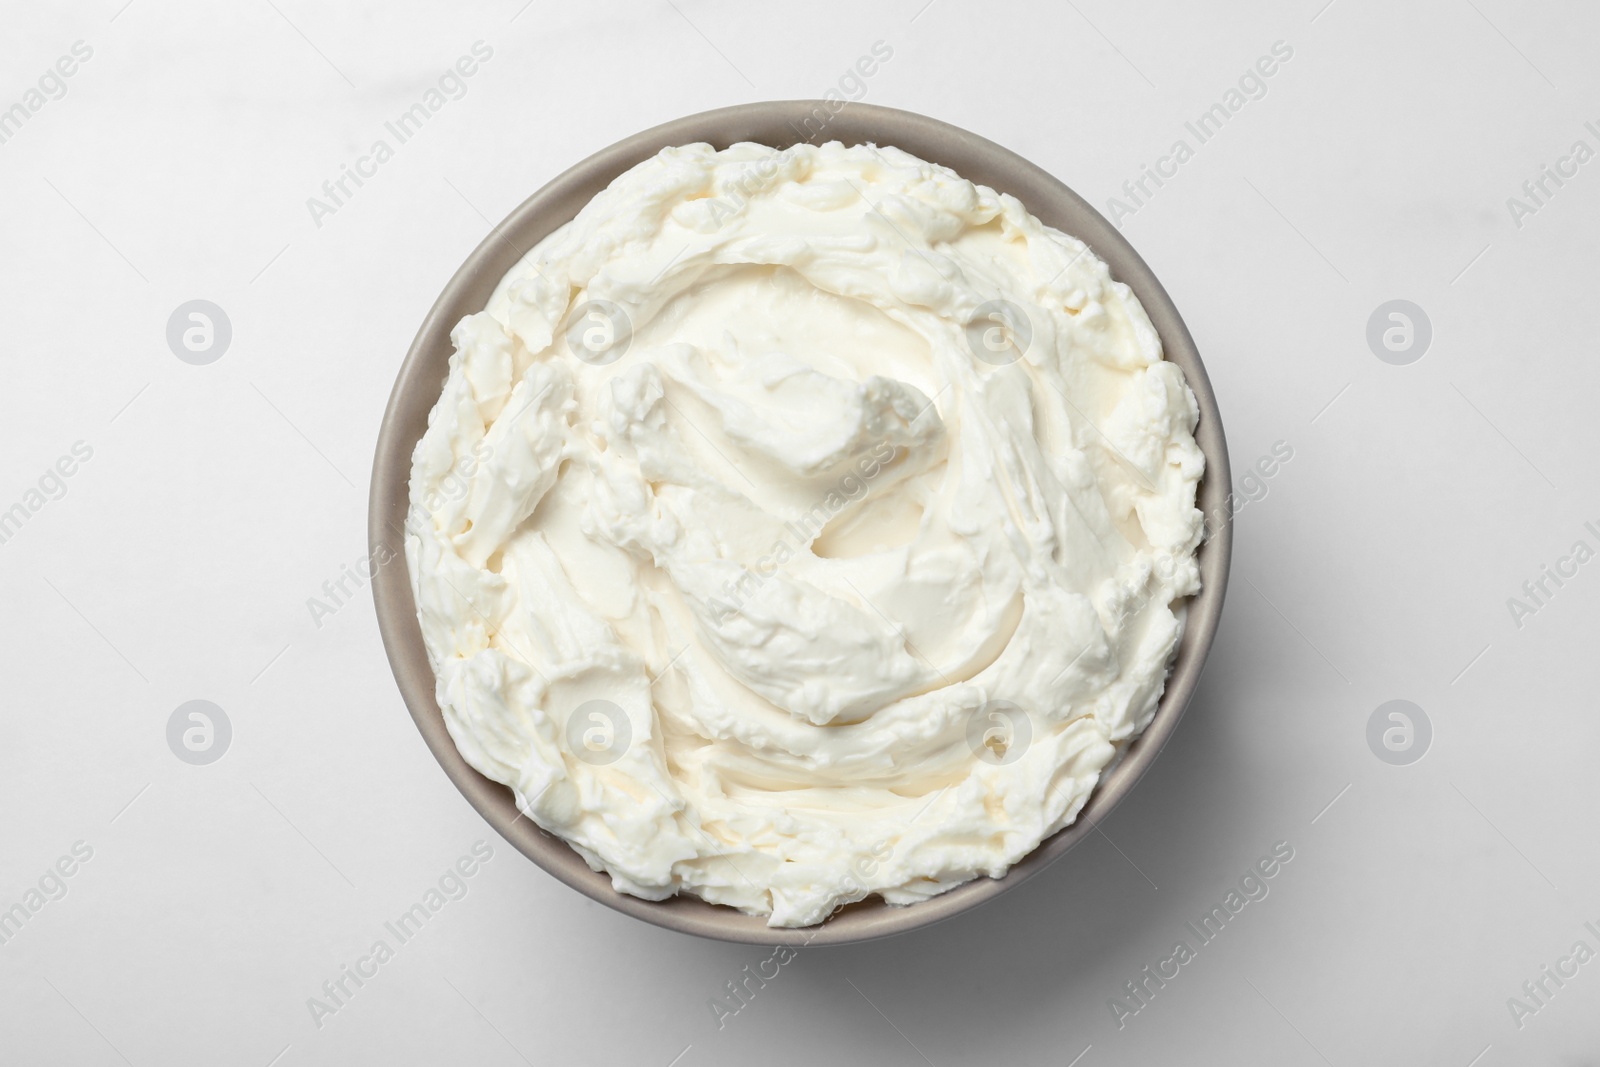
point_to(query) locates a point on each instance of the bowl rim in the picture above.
(779, 123)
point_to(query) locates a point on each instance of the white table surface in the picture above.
(219, 498)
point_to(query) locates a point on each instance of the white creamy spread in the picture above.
(800, 526)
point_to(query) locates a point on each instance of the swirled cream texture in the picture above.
(800, 526)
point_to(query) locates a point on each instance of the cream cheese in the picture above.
(799, 526)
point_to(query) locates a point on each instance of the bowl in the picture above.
(779, 124)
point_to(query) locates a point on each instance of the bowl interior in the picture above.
(779, 124)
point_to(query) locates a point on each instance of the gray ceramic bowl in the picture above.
(779, 123)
